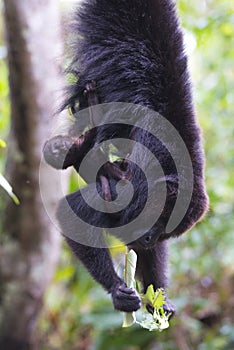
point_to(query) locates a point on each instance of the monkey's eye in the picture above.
(147, 239)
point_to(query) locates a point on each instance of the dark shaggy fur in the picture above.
(132, 51)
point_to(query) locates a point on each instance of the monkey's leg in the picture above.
(151, 269)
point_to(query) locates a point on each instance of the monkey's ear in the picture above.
(172, 185)
(172, 182)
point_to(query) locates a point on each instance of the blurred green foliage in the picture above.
(4, 92)
(78, 314)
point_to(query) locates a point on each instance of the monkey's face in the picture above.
(149, 239)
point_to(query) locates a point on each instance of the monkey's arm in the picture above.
(97, 260)
(100, 266)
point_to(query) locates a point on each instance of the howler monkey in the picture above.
(132, 52)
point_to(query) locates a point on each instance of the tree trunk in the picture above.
(30, 242)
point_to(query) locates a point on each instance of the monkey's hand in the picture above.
(125, 299)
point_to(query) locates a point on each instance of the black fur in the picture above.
(133, 51)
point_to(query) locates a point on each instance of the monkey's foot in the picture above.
(62, 151)
(126, 299)
(169, 309)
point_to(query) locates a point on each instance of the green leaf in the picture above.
(2, 143)
(7, 187)
(155, 298)
(149, 295)
(129, 276)
(129, 318)
(157, 321)
(113, 153)
(130, 268)
(159, 299)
